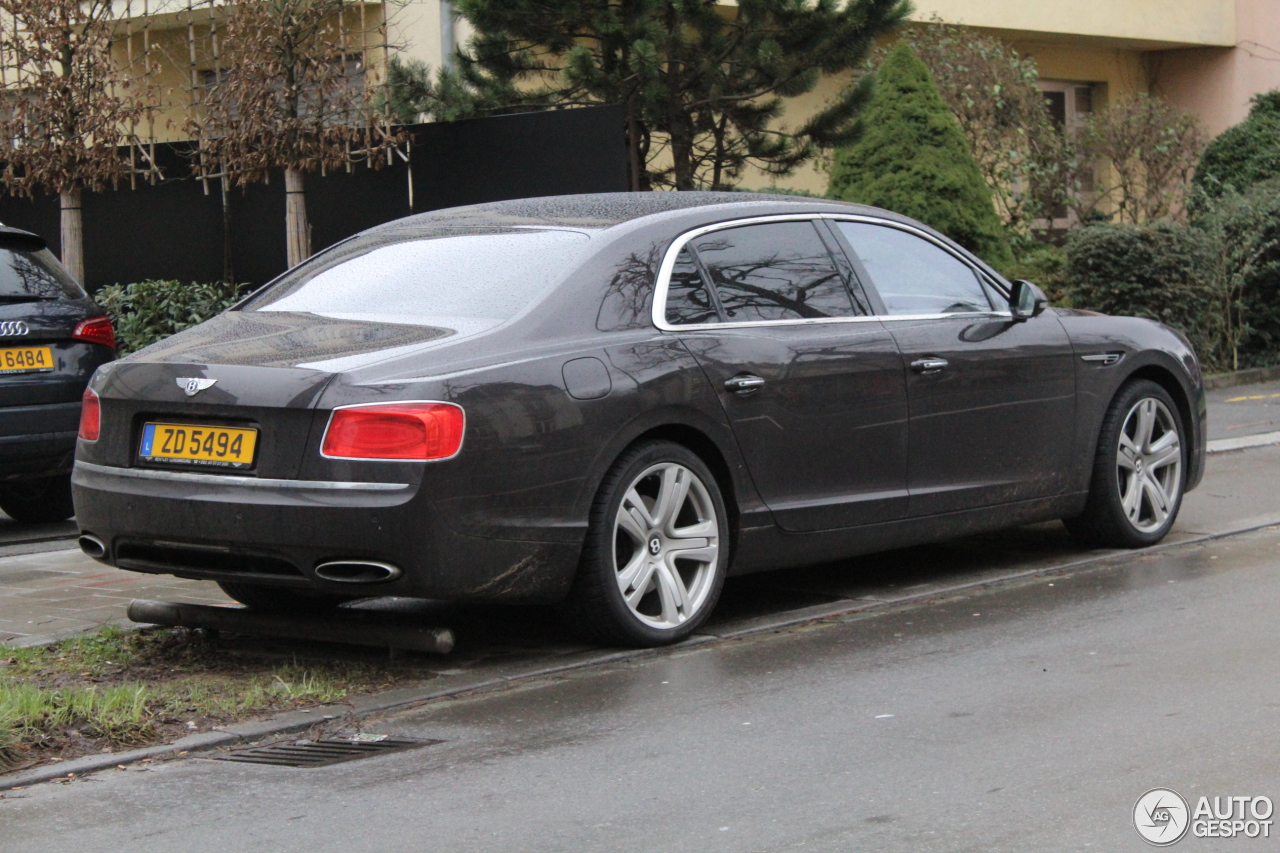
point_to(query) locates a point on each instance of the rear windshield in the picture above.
(460, 280)
(26, 275)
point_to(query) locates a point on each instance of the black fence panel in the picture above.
(174, 230)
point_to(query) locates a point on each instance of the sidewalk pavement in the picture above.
(49, 590)
(54, 594)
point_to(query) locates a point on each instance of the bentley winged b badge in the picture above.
(194, 386)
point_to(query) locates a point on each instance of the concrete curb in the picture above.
(408, 697)
(1241, 377)
(1224, 445)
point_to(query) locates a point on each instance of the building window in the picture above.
(1070, 103)
(350, 94)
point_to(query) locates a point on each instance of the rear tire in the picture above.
(38, 501)
(1139, 470)
(274, 599)
(656, 552)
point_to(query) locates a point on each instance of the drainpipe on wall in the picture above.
(446, 34)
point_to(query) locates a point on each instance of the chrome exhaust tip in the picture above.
(93, 546)
(357, 571)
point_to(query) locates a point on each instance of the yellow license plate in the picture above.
(26, 359)
(192, 444)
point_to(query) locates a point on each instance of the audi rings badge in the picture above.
(13, 328)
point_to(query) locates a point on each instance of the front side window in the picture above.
(913, 275)
(773, 271)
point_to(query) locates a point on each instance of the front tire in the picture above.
(274, 599)
(1138, 473)
(38, 501)
(656, 552)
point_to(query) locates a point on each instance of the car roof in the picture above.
(605, 210)
(12, 236)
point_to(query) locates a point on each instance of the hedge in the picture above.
(1245, 154)
(1216, 280)
(149, 311)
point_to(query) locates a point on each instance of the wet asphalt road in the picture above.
(1244, 410)
(1025, 717)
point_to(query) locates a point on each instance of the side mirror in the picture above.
(1026, 301)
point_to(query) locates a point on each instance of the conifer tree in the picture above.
(702, 84)
(1244, 154)
(914, 159)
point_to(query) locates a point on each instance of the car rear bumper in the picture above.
(276, 532)
(37, 440)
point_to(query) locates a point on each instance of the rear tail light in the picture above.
(419, 431)
(96, 331)
(90, 415)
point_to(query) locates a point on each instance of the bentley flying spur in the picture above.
(609, 403)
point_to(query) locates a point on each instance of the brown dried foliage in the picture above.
(291, 95)
(1152, 148)
(66, 107)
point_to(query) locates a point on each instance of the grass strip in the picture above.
(120, 688)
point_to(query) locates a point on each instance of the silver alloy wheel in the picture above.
(1149, 464)
(666, 545)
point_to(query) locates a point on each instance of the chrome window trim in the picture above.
(659, 312)
(234, 480)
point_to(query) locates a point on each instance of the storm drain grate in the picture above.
(323, 752)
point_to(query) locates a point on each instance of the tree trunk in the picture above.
(297, 233)
(634, 164)
(228, 265)
(72, 233)
(682, 158)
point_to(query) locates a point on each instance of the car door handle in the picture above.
(744, 384)
(928, 365)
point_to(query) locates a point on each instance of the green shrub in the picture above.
(914, 159)
(1160, 271)
(1216, 280)
(1245, 231)
(149, 311)
(1245, 154)
(1044, 264)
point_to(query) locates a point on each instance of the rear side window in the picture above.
(27, 276)
(912, 275)
(687, 297)
(774, 271)
(469, 280)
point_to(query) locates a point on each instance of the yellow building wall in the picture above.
(1168, 22)
(171, 46)
(1114, 71)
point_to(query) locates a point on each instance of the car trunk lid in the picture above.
(277, 402)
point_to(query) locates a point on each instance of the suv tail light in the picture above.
(90, 415)
(96, 331)
(419, 431)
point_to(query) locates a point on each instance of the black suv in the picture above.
(52, 338)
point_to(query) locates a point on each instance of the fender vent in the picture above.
(323, 752)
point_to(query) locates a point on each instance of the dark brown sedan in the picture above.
(612, 402)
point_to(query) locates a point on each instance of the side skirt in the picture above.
(762, 549)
